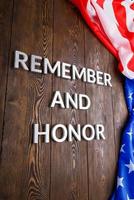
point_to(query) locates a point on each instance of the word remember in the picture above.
(39, 64)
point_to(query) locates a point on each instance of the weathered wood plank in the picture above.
(119, 105)
(119, 108)
(101, 154)
(6, 11)
(68, 160)
(25, 168)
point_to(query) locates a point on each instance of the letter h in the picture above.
(37, 133)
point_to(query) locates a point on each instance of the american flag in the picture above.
(125, 179)
(113, 23)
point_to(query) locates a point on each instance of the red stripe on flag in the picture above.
(132, 6)
(131, 64)
(100, 2)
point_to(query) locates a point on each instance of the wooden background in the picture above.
(67, 171)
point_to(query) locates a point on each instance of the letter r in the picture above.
(20, 60)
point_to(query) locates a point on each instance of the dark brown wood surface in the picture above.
(66, 171)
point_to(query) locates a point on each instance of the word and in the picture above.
(76, 101)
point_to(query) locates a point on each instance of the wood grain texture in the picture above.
(66, 171)
(69, 160)
(25, 168)
(119, 109)
(101, 154)
(6, 12)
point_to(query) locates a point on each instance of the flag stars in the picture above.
(130, 166)
(120, 182)
(122, 148)
(130, 96)
(130, 134)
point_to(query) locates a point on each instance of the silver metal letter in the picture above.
(107, 79)
(54, 129)
(37, 133)
(20, 60)
(49, 68)
(57, 99)
(99, 131)
(64, 70)
(91, 137)
(87, 100)
(99, 78)
(91, 76)
(69, 100)
(78, 75)
(73, 133)
(35, 63)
